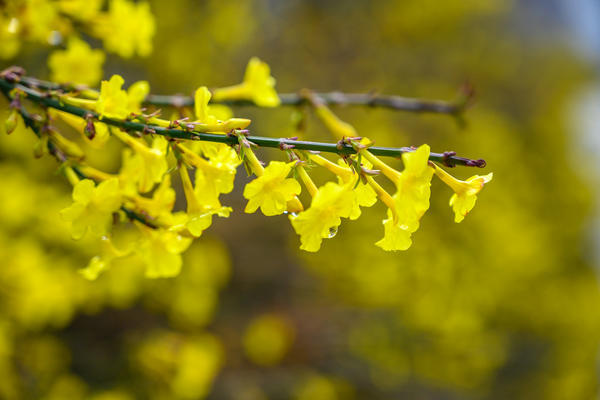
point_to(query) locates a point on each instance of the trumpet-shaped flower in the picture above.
(258, 86)
(127, 29)
(77, 64)
(113, 101)
(160, 250)
(146, 166)
(79, 124)
(136, 94)
(411, 200)
(93, 207)
(465, 192)
(272, 190)
(396, 236)
(331, 203)
(414, 187)
(363, 195)
(162, 201)
(216, 118)
(199, 214)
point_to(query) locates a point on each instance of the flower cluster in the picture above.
(155, 149)
(125, 28)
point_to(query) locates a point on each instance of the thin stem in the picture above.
(398, 103)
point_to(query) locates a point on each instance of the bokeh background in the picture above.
(503, 305)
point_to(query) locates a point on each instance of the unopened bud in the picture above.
(11, 122)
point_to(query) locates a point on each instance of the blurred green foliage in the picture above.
(504, 305)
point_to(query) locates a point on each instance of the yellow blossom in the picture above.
(207, 117)
(127, 29)
(93, 207)
(151, 163)
(396, 236)
(160, 250)
(77, 64)
(414, 187)
(136, 94)
(162, 201)
(199, 214)
(100, 263)
(411, 199)
(330, 204)
(258, 86)
(113, 101)
(79, 124)
(272, 191)
(465, 192)
(215, 175)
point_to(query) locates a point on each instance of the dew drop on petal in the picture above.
(332, 232)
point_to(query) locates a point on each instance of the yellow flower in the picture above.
(77, 64)
(331, 203)
(101, 263)
(410, 201)
(465, 192)
(162, 201)
(396, 236)
(93, 207)
(136, 94)
(160, 250)
(215, 175)
(363, 195)
(414, 187)
(127, 29)
(208, 116)
(113, 101)
(79, 125)
(272, 190)
(199, 214)
(84, 10)
(147, 166)
(258, 86)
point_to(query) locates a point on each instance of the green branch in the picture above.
(8, 83)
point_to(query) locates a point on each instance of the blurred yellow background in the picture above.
(503, 305)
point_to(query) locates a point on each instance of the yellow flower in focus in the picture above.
(363, 194)
(199, 214)
(258, 86)
(465, 192)
(331, 203)
(272, 190)
(147, 166)
(136, 94)
(113, 101)
(93, 207)
(396, 236)
(79, 124)
(77, 64)
(414, 187)
(160, 250)
(162, 201)
(127, 29)
(267, 339)
(216, 118)
(410, 201)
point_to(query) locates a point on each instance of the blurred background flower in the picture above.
(504, 305)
